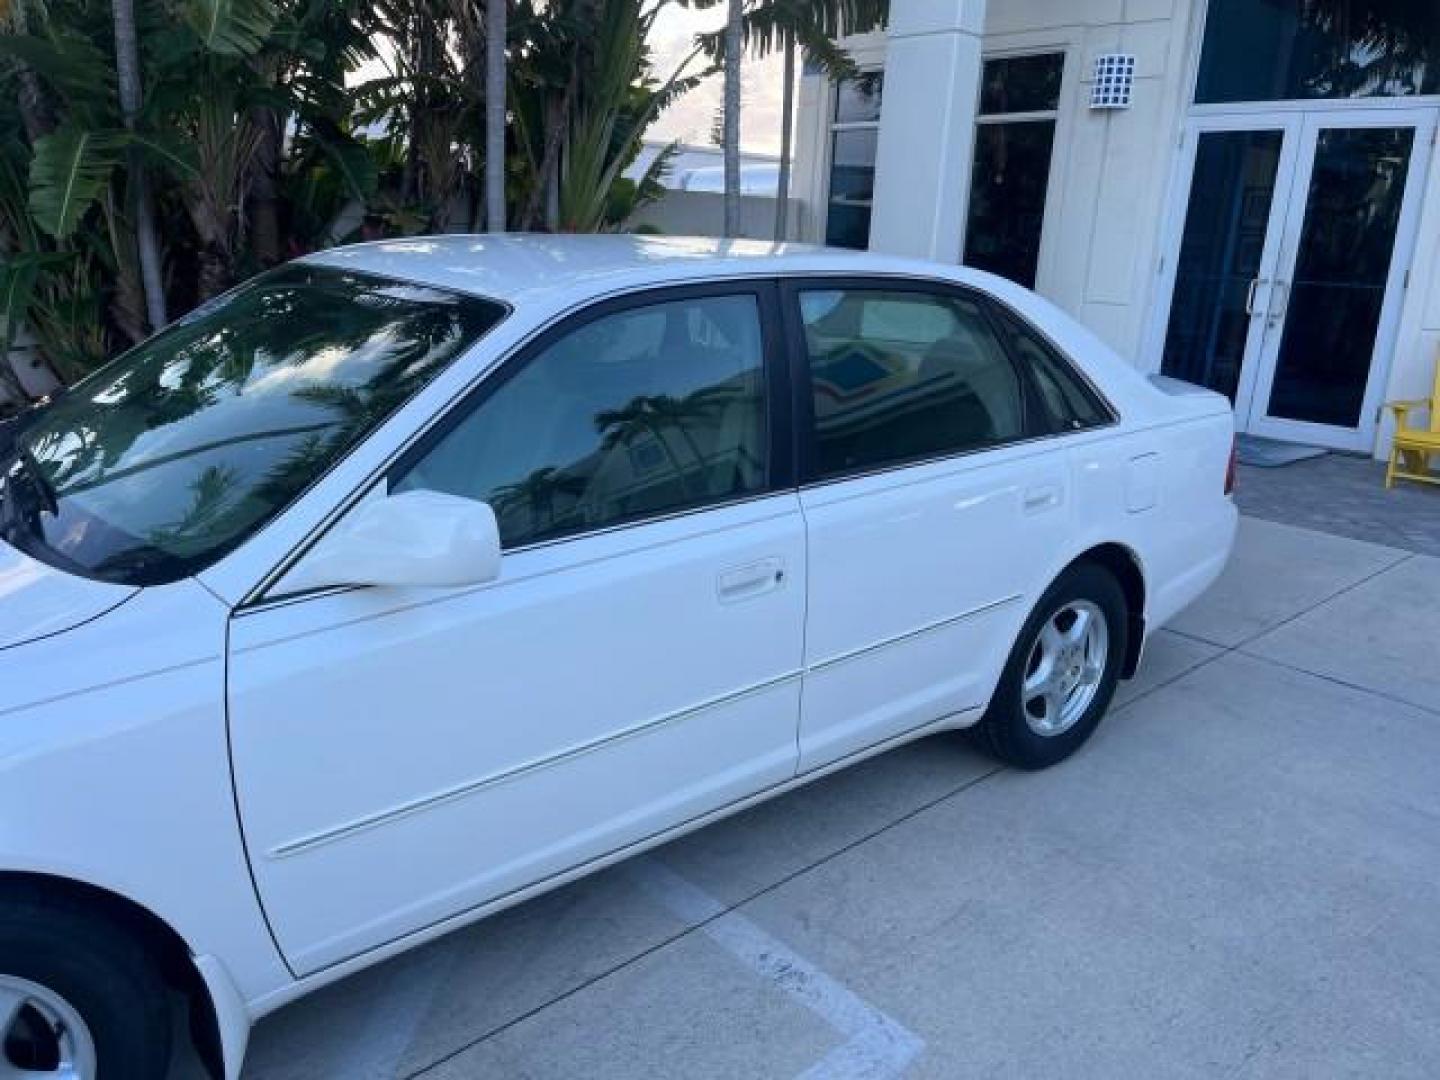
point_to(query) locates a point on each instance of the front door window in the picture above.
(636, 414)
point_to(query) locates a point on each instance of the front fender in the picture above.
(115, 773)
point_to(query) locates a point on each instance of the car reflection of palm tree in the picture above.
(536, 494)
(209, 497)
(191, 367)
(656, 414)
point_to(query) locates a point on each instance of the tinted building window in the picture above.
(1021, 84)
(1221, 250)
(1272, 50)
(853, 139)
(1014, 138)
(899, 376)
(639, 413)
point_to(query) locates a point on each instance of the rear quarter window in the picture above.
(1069, 399)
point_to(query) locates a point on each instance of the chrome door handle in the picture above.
(1255, 283)
(1275, 316)
(752, 579)
(1041, 498)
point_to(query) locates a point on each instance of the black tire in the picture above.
(1005, 730)
(101, 971)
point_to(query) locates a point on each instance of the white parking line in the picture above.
(877, 1047)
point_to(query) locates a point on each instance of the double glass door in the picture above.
(1285, 274)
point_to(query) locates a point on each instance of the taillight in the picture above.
(1230, 468)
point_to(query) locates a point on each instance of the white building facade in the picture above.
(1241, 193)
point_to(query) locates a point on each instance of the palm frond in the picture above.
(70, 169)
(231, 27)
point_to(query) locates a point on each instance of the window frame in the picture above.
(1052, 116)
(779, 441)
(1038, 424)
(834, 126)
(1000, 312)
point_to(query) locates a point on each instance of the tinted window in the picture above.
(858, 100)
(1278, 49)
(852, 188)
(1007, 198)
(161, 462)
(853, 140)
(898, 375)
(642, 412)
(1070, 403)
(1020, 84)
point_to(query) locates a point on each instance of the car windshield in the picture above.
(171, 456)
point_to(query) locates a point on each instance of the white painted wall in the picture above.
(702, 213)
(927, 127)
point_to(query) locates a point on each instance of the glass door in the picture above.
(1289, 263)
(1331, 315)
(1226, 252)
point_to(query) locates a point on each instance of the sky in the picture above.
(693, 116)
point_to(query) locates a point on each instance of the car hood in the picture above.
(39, 601)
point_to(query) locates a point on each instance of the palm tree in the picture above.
(536, 495)
(495, 75)
(812, 26)
(787, 125)
(639, 417)
(127, 67)
(734, 24)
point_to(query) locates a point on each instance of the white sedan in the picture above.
(413, 579)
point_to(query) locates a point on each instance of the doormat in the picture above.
(1269, 454)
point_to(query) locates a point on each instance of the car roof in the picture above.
(523, 268)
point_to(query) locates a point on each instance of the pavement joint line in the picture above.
(1143, 694)
(1337, 681)
(1264, 631)
(666, 942)
(393, 1019)
(877, 1046)
(1240, 647)
(1404, 558)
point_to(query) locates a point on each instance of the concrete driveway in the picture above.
(1238, 876)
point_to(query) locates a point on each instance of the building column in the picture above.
(927, 128)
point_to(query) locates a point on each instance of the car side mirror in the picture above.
(415, 538)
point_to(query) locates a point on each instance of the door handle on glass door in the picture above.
(1283, 288)
(1255, 283)
(752, 579)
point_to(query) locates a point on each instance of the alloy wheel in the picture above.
(1065, 668)
(42, 1036)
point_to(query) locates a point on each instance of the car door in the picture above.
(402, 755)
(932, 496)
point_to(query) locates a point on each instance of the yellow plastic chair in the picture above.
(1410, 454)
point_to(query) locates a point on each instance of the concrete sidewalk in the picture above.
(1238, 876)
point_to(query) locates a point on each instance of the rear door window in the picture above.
(900, 375)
